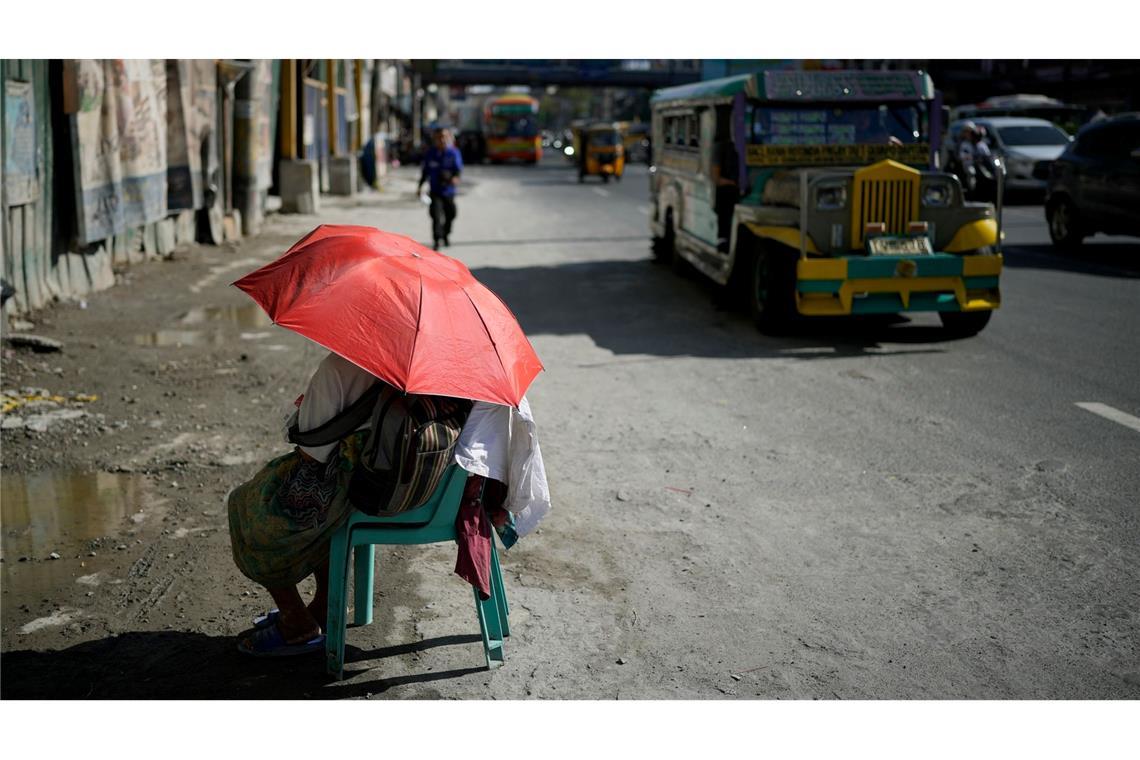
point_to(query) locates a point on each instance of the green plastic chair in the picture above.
(431, 523)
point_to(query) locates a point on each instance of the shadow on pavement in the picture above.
(551, 241)
(1024, 197)
(178, 665)
(570, 180)
(635, 307)
(1107, 259)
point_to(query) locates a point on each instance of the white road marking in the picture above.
(601, 191)
(1108, 412)
(217, 271)
(644, 210)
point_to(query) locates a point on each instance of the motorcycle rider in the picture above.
(965, 155)
(986, 166)
(982, 152)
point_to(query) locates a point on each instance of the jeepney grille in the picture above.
(886, 201)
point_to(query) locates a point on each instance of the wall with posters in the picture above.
(87, 181)
(191, 113)
(25, 199)
(120, 145)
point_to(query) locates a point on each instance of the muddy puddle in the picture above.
(177, 338)
(60, 512)
(248, 317)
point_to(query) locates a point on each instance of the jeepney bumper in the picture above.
(891, 284)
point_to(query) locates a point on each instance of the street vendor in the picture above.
(283, 518)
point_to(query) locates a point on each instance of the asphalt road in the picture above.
(938, 514)
(865, 510)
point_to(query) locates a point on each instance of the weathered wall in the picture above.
(89, 181)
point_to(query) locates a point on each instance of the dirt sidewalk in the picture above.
(117, 575)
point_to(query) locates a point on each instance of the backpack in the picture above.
(409, 446)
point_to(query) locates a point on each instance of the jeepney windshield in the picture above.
(836, 125)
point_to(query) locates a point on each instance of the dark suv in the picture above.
(1095, 184)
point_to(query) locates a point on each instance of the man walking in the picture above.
(442, 167)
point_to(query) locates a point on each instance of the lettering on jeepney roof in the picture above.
(843, 85)
(809, 155)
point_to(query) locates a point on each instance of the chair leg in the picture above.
(499, 592)
(490, 628)
(362, 582)
(338, 595)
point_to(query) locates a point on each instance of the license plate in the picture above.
(899, 246)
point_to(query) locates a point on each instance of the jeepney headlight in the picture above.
(936, 194)
(831, 196)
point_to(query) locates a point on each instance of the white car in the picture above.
(1023, 142)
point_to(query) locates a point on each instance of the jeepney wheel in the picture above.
(963, 324)
(605, 179)
(1064, 224)
(663, 246)
(771, 292)
(677, 263)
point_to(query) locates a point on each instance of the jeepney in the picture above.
(835, 206)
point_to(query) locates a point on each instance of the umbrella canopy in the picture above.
(411, 316)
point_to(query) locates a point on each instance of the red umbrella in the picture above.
(409, 315)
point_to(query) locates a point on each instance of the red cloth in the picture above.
(473, 528)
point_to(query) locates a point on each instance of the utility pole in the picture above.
(417, 110)
(342, 169)
(246, 196)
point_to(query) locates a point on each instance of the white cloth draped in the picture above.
(501, 442)
(498, 442)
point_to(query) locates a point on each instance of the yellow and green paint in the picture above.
(890, 284)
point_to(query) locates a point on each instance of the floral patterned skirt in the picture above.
(282, 519)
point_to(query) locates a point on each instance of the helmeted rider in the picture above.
(966, 142)
(982, 150)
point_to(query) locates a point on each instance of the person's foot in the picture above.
(435, 244)
(446, 242)
(298, 629)
(317, 609)
(270, 641)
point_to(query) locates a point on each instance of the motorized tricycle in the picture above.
(602, 153)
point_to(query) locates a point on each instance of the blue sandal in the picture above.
(266, 620)
(268, 642)
(269, 618)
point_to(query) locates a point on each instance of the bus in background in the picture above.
(510, 129)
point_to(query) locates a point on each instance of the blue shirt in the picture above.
(438, 163)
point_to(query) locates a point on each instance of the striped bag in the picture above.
(410, 444)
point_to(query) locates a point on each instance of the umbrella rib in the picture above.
(419, 317)
(487, 330)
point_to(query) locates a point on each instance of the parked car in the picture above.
(1067, 116)
(1022, 142)
(1095, 184)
